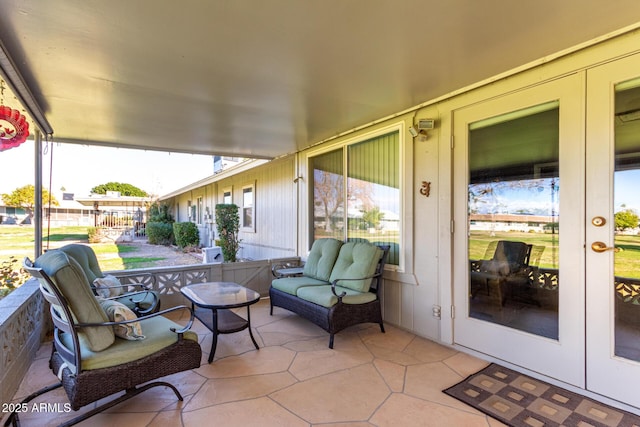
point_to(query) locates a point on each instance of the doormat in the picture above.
(518, 400)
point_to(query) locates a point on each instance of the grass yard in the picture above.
(18, 242)
(627, 261)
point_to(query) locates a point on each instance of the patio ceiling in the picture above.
(264, 78)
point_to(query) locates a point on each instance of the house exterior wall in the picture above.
(275, 209)
(417, 295)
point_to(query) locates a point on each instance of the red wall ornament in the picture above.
(14, 128)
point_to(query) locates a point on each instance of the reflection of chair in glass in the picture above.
(507, 267)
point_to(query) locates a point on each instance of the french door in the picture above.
(547, 236)
(519, 242)
(612, 233)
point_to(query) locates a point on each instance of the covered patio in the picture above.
(274, 81)
(293, 380)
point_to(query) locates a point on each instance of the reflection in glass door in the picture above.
(612, 232)
(519, 268)
(514, 219)
(626, 230)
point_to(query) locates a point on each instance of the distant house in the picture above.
(510, 222)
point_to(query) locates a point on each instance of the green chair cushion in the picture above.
(158, 336)
(71, 281)
(87, 259)
(356, 260)
(321, 258)
(291, 285)
(323, 296)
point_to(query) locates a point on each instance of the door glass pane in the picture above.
(627, 209)
(513, 219)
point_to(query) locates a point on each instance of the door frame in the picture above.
(548, 357)
(607, 374)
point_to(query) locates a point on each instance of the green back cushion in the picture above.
(87, 259)
(69, 278)
(321, 258)
(356, 260)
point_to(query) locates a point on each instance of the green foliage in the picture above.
(25, 197)
(94, 235)
(160, 233)
(372, 217)
(626, 219)
(123, 188)
(160, 213)
(186, 234)
(228, 224)
(10, 276)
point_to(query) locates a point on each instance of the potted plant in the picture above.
(228, 224)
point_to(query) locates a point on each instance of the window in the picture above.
(227, 196)
(356, 193)
(248, 201)
(200, 207)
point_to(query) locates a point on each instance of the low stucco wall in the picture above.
(23, 326)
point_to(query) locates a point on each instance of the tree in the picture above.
(626, 219)
(328, 193)
(372, 217)
(25, 197)
(123, 188)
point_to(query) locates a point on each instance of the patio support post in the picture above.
(37, 214)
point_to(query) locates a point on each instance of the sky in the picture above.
(536, 198)
(78, 168)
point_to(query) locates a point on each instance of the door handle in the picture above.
(602, 247)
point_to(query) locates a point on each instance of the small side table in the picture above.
(211, 303)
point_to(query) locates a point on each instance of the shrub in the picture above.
(10, 278)
(94, 234)
(160, 213)
(186, 234)
(228, 224)
(160, 233)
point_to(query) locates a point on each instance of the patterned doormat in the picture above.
(518, 400)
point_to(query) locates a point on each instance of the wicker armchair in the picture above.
(135, 289)
(89, 358)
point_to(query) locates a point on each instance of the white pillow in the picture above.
(117, 312)
(108, 286)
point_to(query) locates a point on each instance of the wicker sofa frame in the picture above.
(341, 315)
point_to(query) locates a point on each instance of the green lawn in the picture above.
(18, 242)
(627, 261)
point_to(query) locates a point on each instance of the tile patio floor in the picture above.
(369, 379)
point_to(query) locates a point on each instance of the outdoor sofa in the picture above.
(339, 286)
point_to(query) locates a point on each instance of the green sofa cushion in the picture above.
(323, 296)
(291, 285)
(71, 281)
(321, 258)
(356, 260)
(158, 336)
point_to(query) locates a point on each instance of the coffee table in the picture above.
(212, 303)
